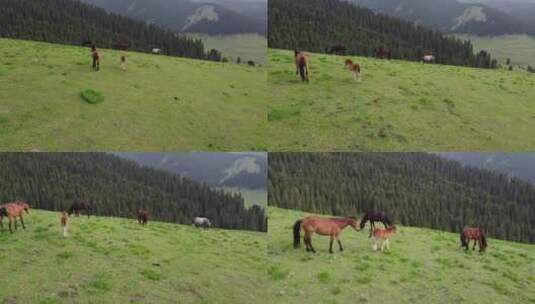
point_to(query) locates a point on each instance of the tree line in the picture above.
(76, 23)
(117, 187)
(317, 25)
(416, 189)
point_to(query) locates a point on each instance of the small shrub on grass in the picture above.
(151, 274)
(92, 96)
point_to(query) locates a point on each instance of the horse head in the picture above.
(353, 222)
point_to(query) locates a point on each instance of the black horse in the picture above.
(77, 207)
(383, 53)
(375, 217)
(336, 50)
(142, 216)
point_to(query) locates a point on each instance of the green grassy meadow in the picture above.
(113, 260)
(519, 48)
(422, 266)
(398, 106)
(159, 103)
(246, 46)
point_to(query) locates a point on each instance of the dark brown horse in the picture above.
(323, 226)
(77, 207)
(142, 216)
(475, 234)
(383, 53)
(373, 217)
(302, 61)
(96, 58)
(336, 50)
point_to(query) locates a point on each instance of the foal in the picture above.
(65, 223)
(123, 62)
(142, 216)
(383, 235)
(354, 68)
(302, 61)
(96, 58)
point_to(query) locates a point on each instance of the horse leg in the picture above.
(374, 246)
(10, 229)
(372, 227)
(309, 237)
(331, 244)
(387, 244)
(474, 247)
(22, 222)
(340, 244)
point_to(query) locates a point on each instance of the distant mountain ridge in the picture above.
(241, 170)
(191, 16)
(451, 16)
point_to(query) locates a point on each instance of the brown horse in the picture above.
(96, 58)
(354, 68)
(383, 53)
(64, 223)
(142, 216)
(302, 61)
(383, 235)
(322, 226)
(475, 234)
(12, 211)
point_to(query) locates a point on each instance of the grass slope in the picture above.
(398, 106)
(160, 103)
(422, 266)
(519, 48)
(246, 46)
(112, 260)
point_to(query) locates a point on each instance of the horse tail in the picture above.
(297, 233)
(302, 66)
(483, 238)
(463, 239)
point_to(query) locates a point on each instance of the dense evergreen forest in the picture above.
(73, 22)
(118, 187)
(317, 25)
(417, 189)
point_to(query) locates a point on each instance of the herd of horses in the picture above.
(333, 227)
(302, 60)
(16, 209)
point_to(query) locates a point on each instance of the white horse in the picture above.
(202, 222)
(428, 58)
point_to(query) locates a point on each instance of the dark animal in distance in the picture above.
(373, 217)
(476, 234)
(331, 227)
(202, 222)
(96, 58)
(336, 50)
(142, 216)
(77, 207)
(383, 53)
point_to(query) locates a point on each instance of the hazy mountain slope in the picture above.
(520, 165)
(244, 170)
(185, 15)
(451, 16)
(523, 10)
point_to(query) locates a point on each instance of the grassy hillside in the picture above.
(398, 106)
(519, 48)
(159, 103)
(246, 46)
(112, 260)
(423, 266)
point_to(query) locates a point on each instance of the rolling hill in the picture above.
(422, 266)
(160, 103)
(192, 16)
(398, 106)
(452, 16)
(112, 260)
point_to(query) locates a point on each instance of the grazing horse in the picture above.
(336, 50)
(383, 53)
(77, 207)
(202, 222)
(64, 223)
(322, 226)
(354, 68)
(96, 58)
(428, 58)
(373, 217)
(302, 61)
(475, 234)
(12, 211)
(142, 216)
(383, 235)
